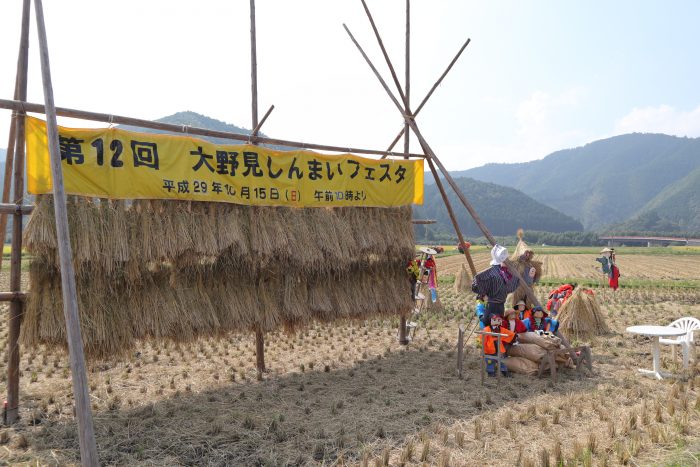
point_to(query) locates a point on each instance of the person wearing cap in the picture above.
(513, 323)
(496, 282)
(490, 343)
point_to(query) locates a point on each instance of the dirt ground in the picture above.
(347, 393)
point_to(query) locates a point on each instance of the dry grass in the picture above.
(182, 270)
(347, 393)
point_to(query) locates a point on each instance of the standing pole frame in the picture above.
(403, 338)
(430, 154)
(15, 154)
(86, 432)
(259, 334)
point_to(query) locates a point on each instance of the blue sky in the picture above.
(539, 75)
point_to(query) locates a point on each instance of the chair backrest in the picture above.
(688, 324)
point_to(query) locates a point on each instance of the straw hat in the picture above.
(428, 251)
(521, 302)
(607, 250)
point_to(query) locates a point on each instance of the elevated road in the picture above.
(614, 240)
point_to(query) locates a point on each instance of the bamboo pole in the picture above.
(453, 218)
(11, 297)
(260, 353)
(386, 56)
(253, 66)
(86, 433)
(409, 120)
(15, 208)
(430, 154)
(259, 335)
(262, 122)
(122, 120)
(403, 340)
(9, 163)
(406, 140)
(460, 351)
(430, 93)
(16, 145)
(424, 144)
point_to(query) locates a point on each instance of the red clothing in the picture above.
(516, 325)
(614, 276)
(561, 294)
(490, 342)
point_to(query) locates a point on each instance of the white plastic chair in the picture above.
(690, 325)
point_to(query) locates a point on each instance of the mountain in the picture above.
(604, 182)
(675, 209)
(201, 121)
(502, 209)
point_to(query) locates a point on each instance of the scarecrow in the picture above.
(540, 321)
(496, 282)
(530, 270)
(513, 322)
(423, 270)
(607, 263)
(558, 296)
(430, 272)
(522, 309)
(490, 343)
(480, 309)
(413, 271)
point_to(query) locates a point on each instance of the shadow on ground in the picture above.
(298, 418)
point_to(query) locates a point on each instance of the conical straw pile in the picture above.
(463, 281)
(580, 315)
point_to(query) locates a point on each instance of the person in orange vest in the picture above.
(490, 343)
(523, 311)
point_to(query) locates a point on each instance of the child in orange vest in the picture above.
(490, 343)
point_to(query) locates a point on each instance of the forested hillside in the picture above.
(502, 209)
(604, 182)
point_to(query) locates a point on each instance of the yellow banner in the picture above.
(114, 163)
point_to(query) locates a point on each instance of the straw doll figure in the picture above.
(490, 343)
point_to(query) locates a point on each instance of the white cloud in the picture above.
(541, 128)
(660, 119)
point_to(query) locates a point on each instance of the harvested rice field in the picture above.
(582, 265)
(347, 393)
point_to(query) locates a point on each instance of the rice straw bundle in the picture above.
(580, 315)
(463, 282)
(523, 264)
(178, 270)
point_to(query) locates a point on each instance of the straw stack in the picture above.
(580, 315)
(463, 281)
(179, 270)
